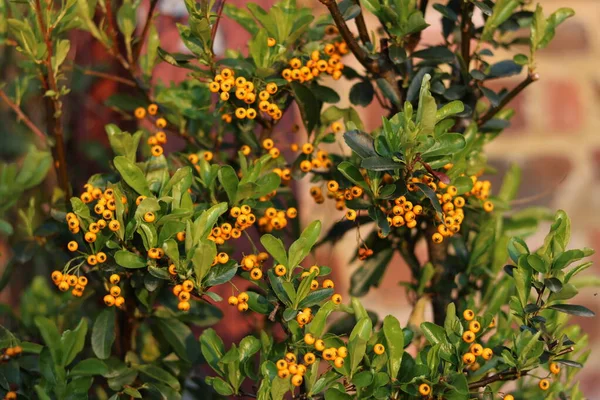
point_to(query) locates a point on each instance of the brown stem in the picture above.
(442, 277)
(53, 106)
(144, 34)
(111, 77)
(380, 66)
(509, 375)
(531, 77)
(112, 30)
(363, 32)
(466, 25)
(22, 117)
(213, 31)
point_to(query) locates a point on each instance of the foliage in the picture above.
(145, 250)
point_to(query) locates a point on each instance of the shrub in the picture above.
(140, 249)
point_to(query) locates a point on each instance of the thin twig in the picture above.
(380, 66)
(53, 106)
(363, 32)
(104, 75)
(112, 31)
(531, 77)
(213, 31)
(509, 375)
(21, 116)
(144, 34)
(466, 25)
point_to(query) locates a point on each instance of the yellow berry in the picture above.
(544, 384)
(468, 358)
(468, 315)
(379, 349)
(554, 368)
(487, 354)
(468, 337)
(271, 42)
(424, 389)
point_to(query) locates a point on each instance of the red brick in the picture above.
(562, 106)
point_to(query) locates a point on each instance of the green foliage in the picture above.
(158, 238)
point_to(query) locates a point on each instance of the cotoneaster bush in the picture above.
(139, 249)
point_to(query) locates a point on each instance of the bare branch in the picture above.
(531, 77)
(22, 117)
(144, 34)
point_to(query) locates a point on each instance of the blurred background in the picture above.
(553, 138)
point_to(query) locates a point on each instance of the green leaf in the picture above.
(395, 344)
(212, 349)
(310, 106)
(259, 304)
(221, 387)
(230, 182)
(51, 337)
(220, 274)
(523, 279)
(361, 94)
(317, 325)
(573, 309)
(537, 263)
(203, 258)
(132, 175)
(361, 143)
(352, 173)
(503, 9)
(72, 342)
(160, 375)
(315, 297)
(278, 288)
(204, 224)
(123, 143)
(449, 109)
(275, 247)
(357, 342)
(570, 256)
(370, 273)
(180, 337)
(129, 260)
(301, 247)
(103, 333)
(89, 367)
(434, 334)
(388, 91)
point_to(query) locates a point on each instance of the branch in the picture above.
(53, 106)
(213, 31)
(144, 34)
(378, 66)
(22, 117)
(112, 31)
(438, 252)
(104, 75)
(531, 77)
(466, 25)
(509, 375)
(363, 32)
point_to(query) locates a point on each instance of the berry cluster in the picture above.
(274, 219)
(311, 161)
(11, 352)
(183, 292)
(253, 263)
(66, 281)
(157, 140)
(328, 61)
(475, 350)
(241, 301)
(244, 95)
(114, 298)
